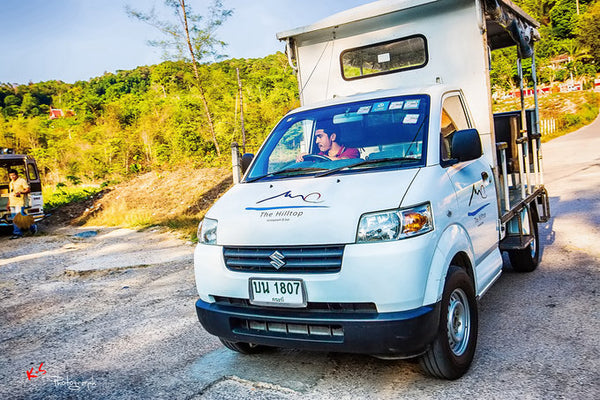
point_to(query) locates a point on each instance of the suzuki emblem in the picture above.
(278, 259)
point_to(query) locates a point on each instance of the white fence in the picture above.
(547, 126)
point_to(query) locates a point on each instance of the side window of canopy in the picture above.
(384, 58)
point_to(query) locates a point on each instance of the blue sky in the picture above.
(72, 40)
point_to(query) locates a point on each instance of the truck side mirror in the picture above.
(246, 161)
(466, 145)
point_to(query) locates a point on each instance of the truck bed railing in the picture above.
(519, 155)
(523, 184)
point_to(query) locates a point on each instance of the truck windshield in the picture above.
(346, 138)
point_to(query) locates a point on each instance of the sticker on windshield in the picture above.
(411, 119)
(411, 104)
(383, 106)
(364, 110)
(396, 105)
(382, 58)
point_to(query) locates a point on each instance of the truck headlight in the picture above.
(395, 224)
(207, 231)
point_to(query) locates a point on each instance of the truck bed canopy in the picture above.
(506, 23)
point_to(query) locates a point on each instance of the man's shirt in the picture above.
(18, 185)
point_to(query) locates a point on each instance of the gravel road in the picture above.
(109, 314)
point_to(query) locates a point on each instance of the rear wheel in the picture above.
(527, 259)
(244, 348)
(451, 353)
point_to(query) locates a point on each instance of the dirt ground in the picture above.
(86, 301)
(81, 301)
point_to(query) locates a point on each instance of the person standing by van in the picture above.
(18, 190)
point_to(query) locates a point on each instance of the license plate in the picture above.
(278, 292)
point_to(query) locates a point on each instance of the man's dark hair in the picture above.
(13, 171)
(330, 128)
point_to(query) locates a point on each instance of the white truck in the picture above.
(374, 217)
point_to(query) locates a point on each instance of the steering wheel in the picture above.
(315, 157)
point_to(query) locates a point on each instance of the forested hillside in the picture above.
(569, 49)
(153, 117)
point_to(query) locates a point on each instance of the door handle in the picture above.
(484, 176)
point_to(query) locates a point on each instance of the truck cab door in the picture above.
(477, 210)
(472, 181)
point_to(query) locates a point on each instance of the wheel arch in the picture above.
(454, 247)
(461, 259)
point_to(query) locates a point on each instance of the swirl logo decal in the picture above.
(311, 199)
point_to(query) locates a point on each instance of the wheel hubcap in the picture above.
(459, 322)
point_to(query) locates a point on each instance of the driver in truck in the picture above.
(330, 146)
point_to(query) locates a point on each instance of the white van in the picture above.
(26, 167)
(374, 216)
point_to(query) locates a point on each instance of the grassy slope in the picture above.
(177, 199)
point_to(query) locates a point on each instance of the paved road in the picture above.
(130, 331)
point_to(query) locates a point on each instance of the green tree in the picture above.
(577, 53)
(29, 105)
(588, 31)
(562, 17)
(191, 36)
(12, 100)
(538, 9)
(502, 74)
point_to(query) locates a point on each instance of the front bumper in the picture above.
(392, 275)
(399, 334)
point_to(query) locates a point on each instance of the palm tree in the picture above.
(576, 52)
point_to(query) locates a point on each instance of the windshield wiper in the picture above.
(281, 172)
(367, 162)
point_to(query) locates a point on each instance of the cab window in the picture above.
(385, 133)
(454, 118)
(31, 172)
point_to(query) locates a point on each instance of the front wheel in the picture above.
(244, 348)
(451, 352)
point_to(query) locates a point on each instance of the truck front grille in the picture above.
(306, 259)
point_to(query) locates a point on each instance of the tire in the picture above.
(243, 348)
(527, 259)
(451, 353)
